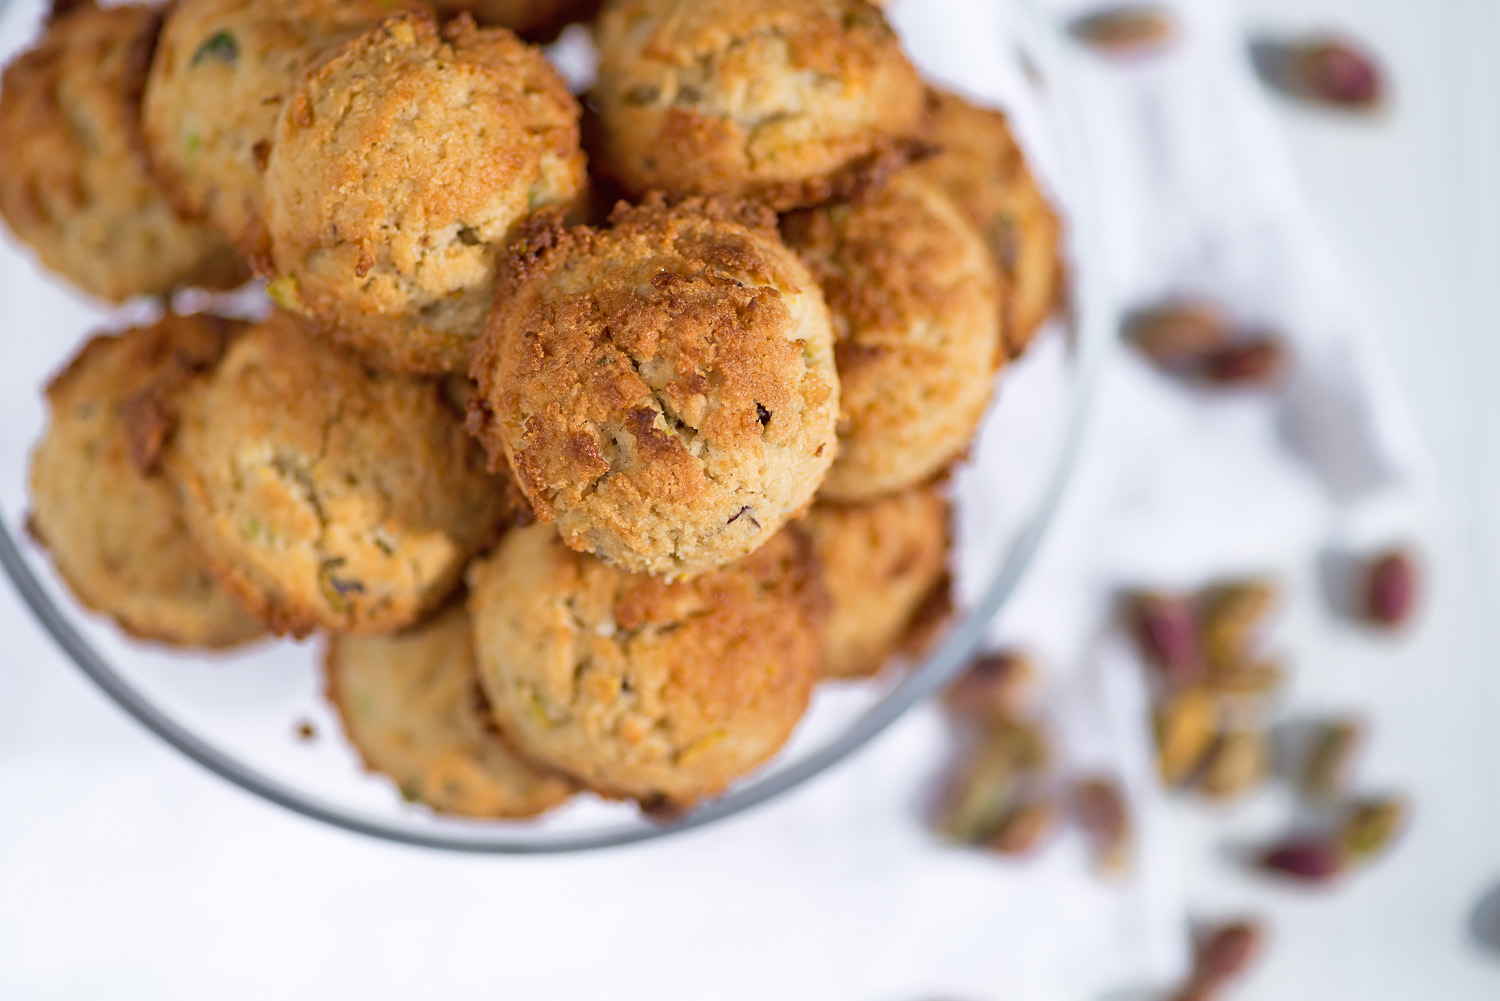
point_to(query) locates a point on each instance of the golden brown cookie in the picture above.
(662, 692)
(915, 302)
(72, 186)
(985, 173)
(323, 495)
(533, 20)
(664, 390)
(885, 565)
(116, 533)
(404, 167)
(412, 706)
(222, 70)
(786, 101)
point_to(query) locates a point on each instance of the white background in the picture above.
(126, 872)
(1411, 203)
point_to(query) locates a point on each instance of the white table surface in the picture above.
(1414, 203)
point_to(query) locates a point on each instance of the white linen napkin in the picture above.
(1179, 485)
(836, 891)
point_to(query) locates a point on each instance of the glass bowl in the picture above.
(239, 715)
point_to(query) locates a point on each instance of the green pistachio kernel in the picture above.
(286, 292)
(220, 47)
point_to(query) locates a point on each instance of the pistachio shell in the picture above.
(1100, 809)
(1371, 826)
(1026, 829)
(1304, 860)
(1022, 743)
(1127, 30)
(1166, 633)
(996, 685)
(1391, 589)
(979, 800)
(1226, 951)
(1331, 760)
(1254, 363)
(1185, 725)
(1336, 72)
(1176, 336)
(1231, 615)
(1238, 764)
(1255, 680)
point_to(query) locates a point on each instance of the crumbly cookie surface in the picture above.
(915, 302)
(885, 565)
(785, 101)
(665, 389)
(404, 166)
(221, 73)
(639, 687)
(72, 186)
(984, 171)
(115, 532)
(325, 495)
(412, 706)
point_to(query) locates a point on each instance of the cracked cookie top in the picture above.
(114, 529)
(659, 691)
(664, 390)
(915, 301)
(785, 101)
(220, 75)
(73, 187)
(324, 495)
(404, 166)
(411, 704)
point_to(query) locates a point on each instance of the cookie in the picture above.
(985, 173)
(404, 167)
(785, 101)
(916, 305)
(885, 565)
(213, 97)
(640, 687)
(324, 495)
(412, 706)
(72, 186)
(116, 533)
(664, 390)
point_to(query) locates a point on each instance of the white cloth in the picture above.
(1177, 485)
(126, 872)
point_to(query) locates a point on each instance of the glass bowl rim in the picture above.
(1091, 333)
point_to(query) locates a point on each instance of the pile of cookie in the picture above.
(591, 431)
